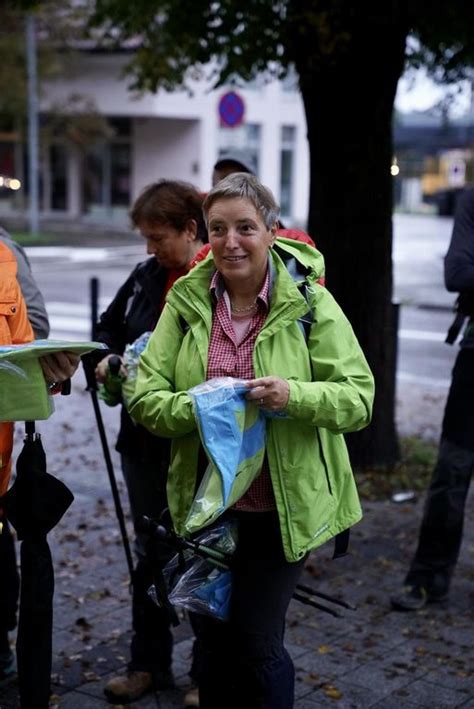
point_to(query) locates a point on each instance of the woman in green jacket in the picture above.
(241, 313)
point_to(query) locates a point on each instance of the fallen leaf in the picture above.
(332, 692)
(323, 649)
(90, 676)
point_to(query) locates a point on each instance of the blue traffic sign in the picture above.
(231, 109)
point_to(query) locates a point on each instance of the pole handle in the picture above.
(114, 365)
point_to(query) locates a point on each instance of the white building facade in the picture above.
(170, 135)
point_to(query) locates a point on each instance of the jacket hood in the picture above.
(293, 262)
(304, 254)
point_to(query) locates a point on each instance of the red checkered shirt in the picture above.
(229, 358)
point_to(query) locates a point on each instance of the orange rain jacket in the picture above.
(14, 329)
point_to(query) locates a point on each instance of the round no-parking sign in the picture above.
(231, 109)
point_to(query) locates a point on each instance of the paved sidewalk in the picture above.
(371, 657)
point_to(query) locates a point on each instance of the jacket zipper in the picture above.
(326, 472)
(282, 487)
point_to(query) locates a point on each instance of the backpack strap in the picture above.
(297, 271)
(305, 321)
(341, 544)
(455, 328)
(464, 308)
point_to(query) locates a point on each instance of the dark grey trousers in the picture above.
(443, 518)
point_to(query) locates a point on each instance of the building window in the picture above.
(106, 177)
(288, 137)
(58, 177)
(244, 137)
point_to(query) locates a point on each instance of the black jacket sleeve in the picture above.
(459, 261)
(112, 327)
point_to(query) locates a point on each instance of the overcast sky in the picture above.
(420, 93)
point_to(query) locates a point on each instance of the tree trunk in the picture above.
(349, 103)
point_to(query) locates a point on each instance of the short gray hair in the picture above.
(242, 185)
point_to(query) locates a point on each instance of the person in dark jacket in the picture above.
(169, 217)
(429, 576)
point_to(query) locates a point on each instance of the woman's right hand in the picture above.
(102, 369)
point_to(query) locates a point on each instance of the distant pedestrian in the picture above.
(233, 160)
(431, 570)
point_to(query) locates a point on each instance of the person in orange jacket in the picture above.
(16, 329)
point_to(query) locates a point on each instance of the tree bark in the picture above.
(349, 103)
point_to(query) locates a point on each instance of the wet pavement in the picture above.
(370, 657)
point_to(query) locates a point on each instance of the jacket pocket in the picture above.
(7, 309)
(8, 290)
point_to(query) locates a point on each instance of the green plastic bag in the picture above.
(24, 394)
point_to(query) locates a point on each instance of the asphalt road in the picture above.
(419, 246)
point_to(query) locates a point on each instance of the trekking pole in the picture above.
(224, 561)
(88, 364)
(314, 604)
(215, 556)
(325, 596)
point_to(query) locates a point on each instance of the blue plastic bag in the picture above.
(197, 584)
(232, 431)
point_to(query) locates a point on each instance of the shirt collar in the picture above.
(217, 288)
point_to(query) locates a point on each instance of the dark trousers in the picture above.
(244, 662)
(152, 640)
(443, 518)
(9, 583)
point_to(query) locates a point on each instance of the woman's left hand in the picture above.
(59, 366)
(271, 393)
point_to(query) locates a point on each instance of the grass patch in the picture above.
(412, 472)
(42, 238)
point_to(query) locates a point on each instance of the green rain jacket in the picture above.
(331, 393)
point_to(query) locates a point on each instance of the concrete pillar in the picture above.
(74, 200)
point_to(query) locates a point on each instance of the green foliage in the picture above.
(442, 39)
(26, 238)
(59, 28)
(13, 74)
(175, 43)
(76, 120)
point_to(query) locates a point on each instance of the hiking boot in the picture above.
(191, 698)
(414, 598)
(129, 687)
